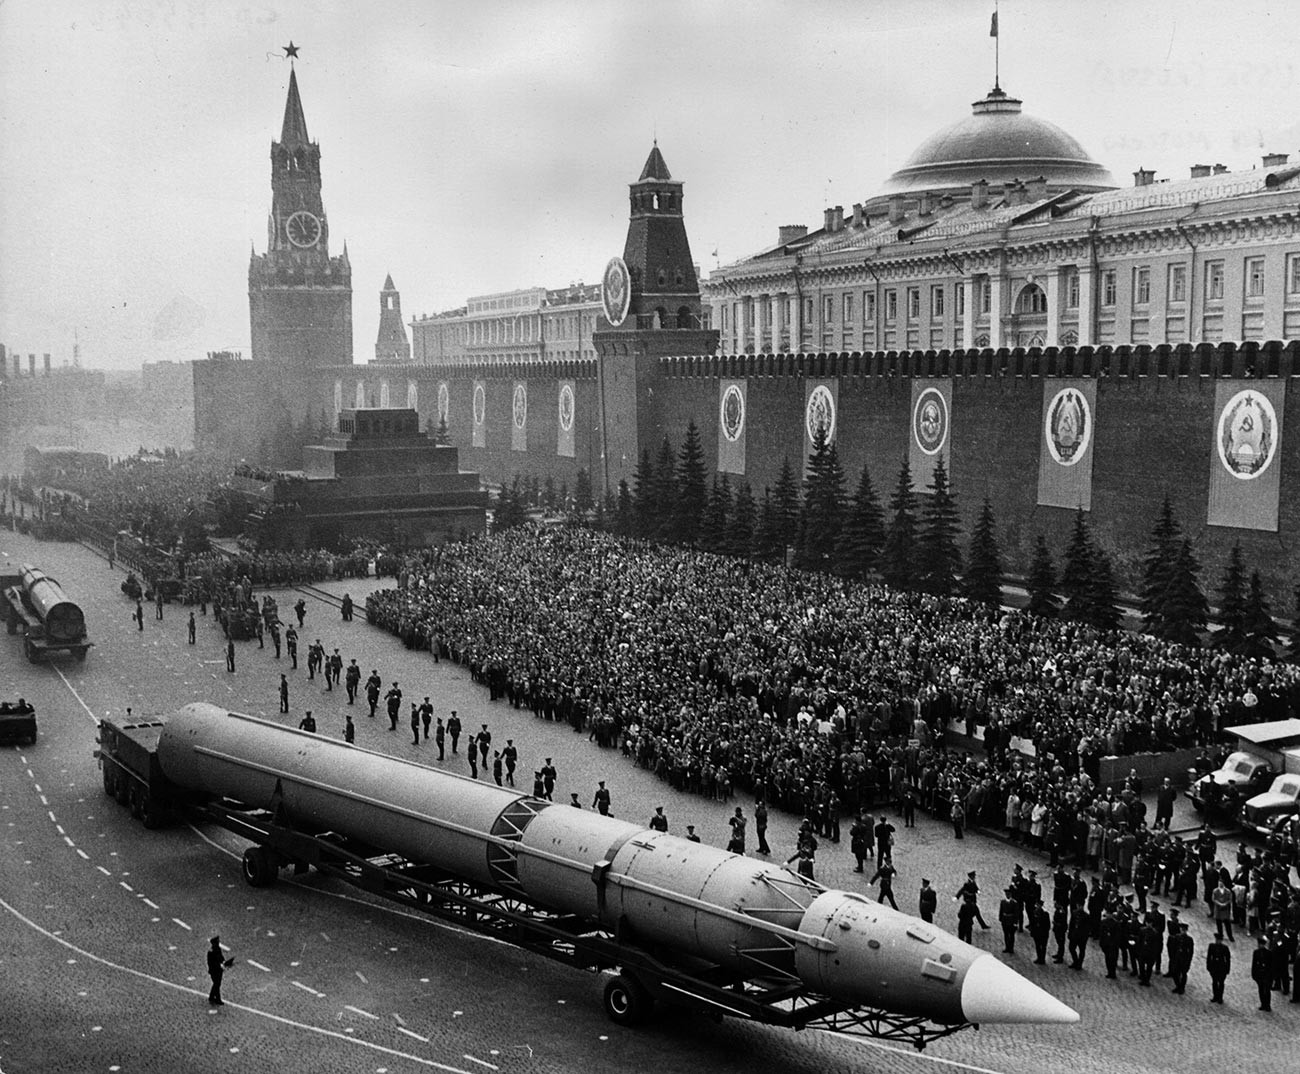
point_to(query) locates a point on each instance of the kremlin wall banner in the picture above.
(732, 401)
(821, 404)
(564, 424)
(931, 424)
(1245, 456)
(519, 417)
(479, 437)
(1065, 447)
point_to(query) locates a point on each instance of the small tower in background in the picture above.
(391, 344)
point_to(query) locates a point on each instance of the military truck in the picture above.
(17, 722)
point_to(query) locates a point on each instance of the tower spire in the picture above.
(294, 131)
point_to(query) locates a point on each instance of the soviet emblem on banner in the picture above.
(519, 406)
(1247, 435)
(1069, 426)
(566, 407)
(616, 291)
(930, 421)
(732, 413)
(480, 404)
(444, 402)
(820, 413)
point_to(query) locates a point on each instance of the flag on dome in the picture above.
(993, 29)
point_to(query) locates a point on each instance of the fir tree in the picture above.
(785, 508)
(1294, 651)
(609, 504)
(665, 497)
(1157, 568)
(712, 532)
(1232, 602)
(582, 498)
(1258, 626)
(1042, 582)
(1102, 594)
(548, 495)
(983, 581)
(692, 488)
(898, 557)
(939, 557)
(644, 506)
(823, 505)
(1076, 577)
(863, 534)
(623, 525)
(562, 500)
(1184, 612)
(741, 523)
(767, 543)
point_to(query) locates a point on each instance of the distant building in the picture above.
(391, 344)
(1000, 231)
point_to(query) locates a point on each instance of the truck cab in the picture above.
(1242, 775)
(1281, 799)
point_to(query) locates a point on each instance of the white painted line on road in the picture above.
(83, 853)
(198, 994)
(72, 690)
(308, 988)
(412, 1033)
(182, 924)
(150, 903)
(912, 1054)
(358, 1010)
(59, 828)
(481, 1062)
(258, 966)
(38, 788)
(29, 771)
(53, 818)
(69, 841)
(124, 884)
(45, 801)
(362, 977)
(103, 870)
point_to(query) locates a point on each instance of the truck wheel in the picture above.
(259, 869)
(110, 781)
(626, 1001)
(30, 650)
(150, 815)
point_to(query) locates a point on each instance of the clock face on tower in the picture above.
(303, 229)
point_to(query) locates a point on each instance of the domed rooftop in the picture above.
(998, 143)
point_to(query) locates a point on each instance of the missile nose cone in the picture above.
(993, 992)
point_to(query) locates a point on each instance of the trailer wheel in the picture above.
(110, 781)
(33, 657)
(150, 815)
(259, 869)
(626, 1001)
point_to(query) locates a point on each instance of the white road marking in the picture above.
(103, 870)
(481, 1062)
(412, 1033)
(150, 903)
(38, 788)
(308, 988)
(72, 690)
(280, 1019)
(913, 1054)
(53, 818)
(358, 1010)
(124, 884)
(362, 976)
(69, 841)
(45, 801)
(182, 924)
(258, 966)
(83, 853)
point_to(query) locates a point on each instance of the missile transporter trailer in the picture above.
(50, 622)
(667, 920)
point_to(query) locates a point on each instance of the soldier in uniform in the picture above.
(1040, 928)
(510, 755)
(885, 873)
(352, 680)
(549, 775)
(1080, 931)
(1060, 928)
(928, 901)
(859, 841)
(453, 729)
(760, 827)
(394, 701)
(426, 716)
(1009, 917)
(291, 646)
(600, 803)
(659, 822)
(1182, 948)
(1147, 950)
(440, 738)
(1109, 941)
(1261, 972)
(970, 890)
(1218, 963)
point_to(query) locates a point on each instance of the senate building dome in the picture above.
(999, 144)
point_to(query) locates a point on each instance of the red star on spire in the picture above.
(290, 50)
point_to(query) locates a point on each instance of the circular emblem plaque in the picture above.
(444, 402)
(1247, 435)
(1068, 426)
(732, 413)
(519, 406)
(820, 413)
(930, 421)
(616, 291)
(480, 404)
(566, 407)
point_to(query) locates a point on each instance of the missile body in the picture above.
(749, 916)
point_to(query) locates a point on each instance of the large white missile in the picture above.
(651, 888)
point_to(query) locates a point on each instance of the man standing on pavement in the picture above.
(440, 737)
(736, 844)
(1261, 972)
(1009, 918)
(192, 627)
(217, 966)
(1109, 941)
(549, 776)
(1040, 928)
(1181, 951)
(659, 822)
(300, 609)
(1165, 799)
(927, 901)
(760, 826)
(291, 644)
(373, 685)
(859, 841)
(284, 694)
(600, 802)
(139, 614)
(970, 890)
(349, 728)
(496, 766)
(453, 730)
(415, 725)
(426, 717)
(230, 654)
(352, 680)
(885, 873)
(1218, 963)
(1080, 930)
(510, 755)
(394, 701)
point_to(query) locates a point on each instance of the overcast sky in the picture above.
(485, 146)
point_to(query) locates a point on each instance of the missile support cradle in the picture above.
(681, 923)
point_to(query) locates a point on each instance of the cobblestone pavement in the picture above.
(105, 924)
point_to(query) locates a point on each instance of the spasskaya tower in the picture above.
(299, 298)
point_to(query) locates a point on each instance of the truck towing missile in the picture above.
(681, 921)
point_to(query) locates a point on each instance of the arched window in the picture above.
(1031, 300)
(683, 317)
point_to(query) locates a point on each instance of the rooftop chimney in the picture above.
(896, 209)
(1272, 160)
(828, 220)
(788, 233)
(1200, 171)
(46, 364)
(1013, 193)
(1220, 169)
(839, 218)
(1036, 188)
(1144, 177)
(857, 214)
(923, 205)
(979, 194)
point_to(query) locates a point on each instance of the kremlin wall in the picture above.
(1059, 341)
